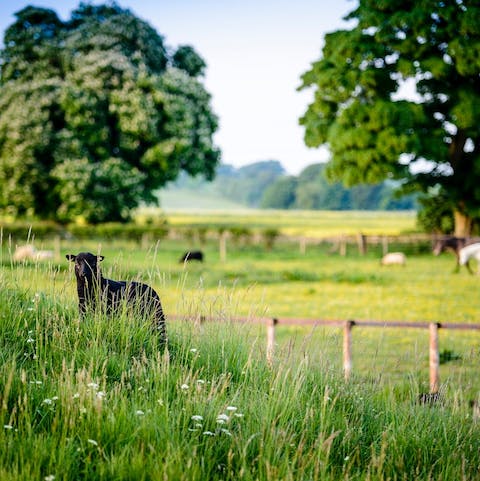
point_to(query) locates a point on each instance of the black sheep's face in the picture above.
(86, 264)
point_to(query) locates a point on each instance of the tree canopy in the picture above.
(96, 113)
(311, 190)
(430, 139)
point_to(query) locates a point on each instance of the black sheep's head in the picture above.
(86, 265)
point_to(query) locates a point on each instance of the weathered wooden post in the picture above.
(271, 339)
(56, 247)
(362, 244)
(347, 349)
(303, 245)
(343, 246)
(385, 244)
(223, 246)
(434, 358)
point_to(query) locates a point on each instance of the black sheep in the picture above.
(91, 285)
(192, 256)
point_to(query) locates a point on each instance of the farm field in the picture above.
(110, 405)
(294, 223)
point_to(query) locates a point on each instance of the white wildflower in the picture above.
(50, 477)
(7, 426)
(76, 395)
(197, 417)
(200, 381)
(193, 350)
(222, 418)
(226, 431)
(55, 398)
(231, 408)
(208, 433)
(47, 401)
(139, 412)
(184, 387)
(30, 340)
(101, 394)
(92, 441)
(238, 415)
(93, 385)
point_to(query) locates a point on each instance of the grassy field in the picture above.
(295, 223)
(101, 400)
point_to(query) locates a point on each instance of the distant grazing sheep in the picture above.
(394, 258)
(28, 252)
(192, 256)
(467, 253)
(92, 286)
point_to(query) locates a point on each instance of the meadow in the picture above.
(100, 399)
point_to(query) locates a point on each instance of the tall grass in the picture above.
(100, 400)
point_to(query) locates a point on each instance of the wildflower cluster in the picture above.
(223, 422)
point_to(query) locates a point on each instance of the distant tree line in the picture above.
(265, 184)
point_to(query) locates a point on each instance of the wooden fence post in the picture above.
(271, 339)
(303, 245)
(223, 246)
(347, 349)
(56, 247)
(385, 245)
(343, 246)
(362, 244)
(434, 358)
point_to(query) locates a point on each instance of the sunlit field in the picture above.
(294, 223)
(100, 399)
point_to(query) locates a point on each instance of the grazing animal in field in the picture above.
(467, 253)
(394, 258)
(192, 256)
(93, 287)
(28, 252)
(452, 244)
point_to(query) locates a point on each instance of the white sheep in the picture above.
(394, 258)
(29, 252)
(471, 251)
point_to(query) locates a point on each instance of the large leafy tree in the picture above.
(430, 140)
(96, 113)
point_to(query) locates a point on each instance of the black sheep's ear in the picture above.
(71, 257)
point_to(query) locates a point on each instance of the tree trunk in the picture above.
(463, 224)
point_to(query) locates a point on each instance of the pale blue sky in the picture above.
(256, 51)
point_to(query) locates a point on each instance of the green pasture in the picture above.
(294, 223)
(299, 419)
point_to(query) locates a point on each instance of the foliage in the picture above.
(96, 114)
(280, 194)
(312, 190)
(373, 131)
(435, 214)
(265, 185)
(248, 183)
